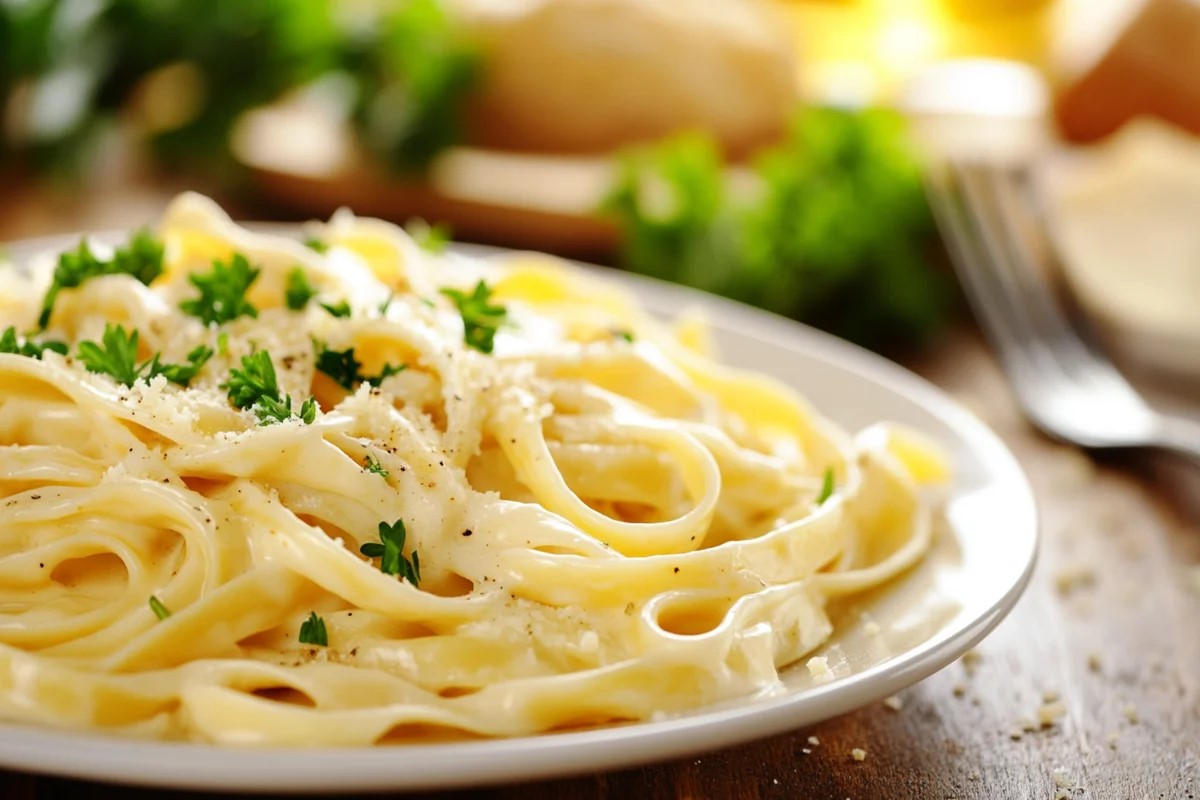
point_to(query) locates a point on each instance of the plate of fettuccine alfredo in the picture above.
(332, 507)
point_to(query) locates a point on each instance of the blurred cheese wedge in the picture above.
(1128, 58)
(1125, 218)
(578, 76)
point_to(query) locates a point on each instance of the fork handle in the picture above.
(1180, 435)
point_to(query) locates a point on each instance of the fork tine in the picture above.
(973, 265)
(1053, 342)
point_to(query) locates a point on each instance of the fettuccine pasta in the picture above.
(478, 500)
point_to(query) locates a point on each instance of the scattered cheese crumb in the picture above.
(858, 754)
(818, 666)
(1050, 713)
(871, 628)
(894, 703)
(1112, 739)
(1077, 576)
(974, 776)
(1015, 734)
(1131, 713)
(805, 750)
(1093, 662)
(1064, 787)
(814, 741)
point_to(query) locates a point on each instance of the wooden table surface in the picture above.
(1110, 624)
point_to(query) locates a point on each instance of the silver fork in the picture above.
(1066, 387)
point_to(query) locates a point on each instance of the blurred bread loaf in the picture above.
(575, 76)
(1147, 65)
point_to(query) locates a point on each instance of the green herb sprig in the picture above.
(390, 552)
(141, 258)
(827, 485)
(371, 464)
(298, 291)
(160, 611)
(256, 387)
(10, 342)
(346, 370)
(223, 290)
(836, 232)
(312, 631)
(480, 319)
(116, 356)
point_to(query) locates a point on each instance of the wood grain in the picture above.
(1110, 623)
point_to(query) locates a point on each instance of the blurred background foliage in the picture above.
(826, 224)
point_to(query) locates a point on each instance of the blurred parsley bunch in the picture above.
(831, 227)
(69, 67)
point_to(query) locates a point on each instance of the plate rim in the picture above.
(188, 765)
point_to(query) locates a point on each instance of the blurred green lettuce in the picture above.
(831, 228)
(73, 65)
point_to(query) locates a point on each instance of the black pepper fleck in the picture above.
(467, 532)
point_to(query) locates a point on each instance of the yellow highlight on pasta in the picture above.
(610, 525)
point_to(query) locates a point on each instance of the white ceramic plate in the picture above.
(981, 561)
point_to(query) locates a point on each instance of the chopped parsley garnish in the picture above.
(339, 309)
(312, 631)
(160, 611)
(623, 333)
(223, 343)
(299, 291)
(222, 291)
(390, 552)
(316, 245)
(826, 487)
(181, 374)
(11, 343)
(371, 464)
(140, 258)
(116, 356)
(255, 387)
(433, 238)
(480, 320)
(344, 368)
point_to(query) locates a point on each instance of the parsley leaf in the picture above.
(116, 356)
(480, 320)
(160, 611)
(433, 238)
(140, 258)
(312, 631)
(344, 368)
(390, 552)
(222, 291)
(826, 487)
(339, 309)
(623, 333)
(299, 291)
(11, 343)
(316, 245)
(256, 387)
(181, 374)
(371, 464)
